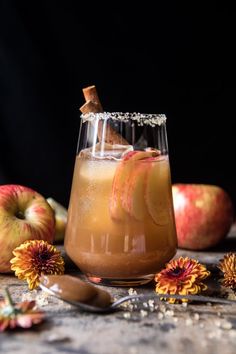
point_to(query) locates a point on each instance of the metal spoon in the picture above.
(144, 297)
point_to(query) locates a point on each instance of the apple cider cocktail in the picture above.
(121, 227)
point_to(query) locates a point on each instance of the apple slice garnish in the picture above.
(128, 185)
(157, 193)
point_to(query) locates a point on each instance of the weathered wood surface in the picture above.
(198, 328)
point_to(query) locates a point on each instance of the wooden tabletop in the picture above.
(149, 328)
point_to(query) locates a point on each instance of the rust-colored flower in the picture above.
(22, 314)
(181, 276)
(34, 258)
(228, 266)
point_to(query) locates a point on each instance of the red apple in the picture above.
(24, 215)
(203, 214)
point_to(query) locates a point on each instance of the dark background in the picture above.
(173, 58)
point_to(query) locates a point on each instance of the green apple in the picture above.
(60, 213)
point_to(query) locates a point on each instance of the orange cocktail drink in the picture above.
(121, 227)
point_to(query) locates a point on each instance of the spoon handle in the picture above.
(199, 298)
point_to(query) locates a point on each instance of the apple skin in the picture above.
(60, 213)
(24, 215)
(203, 215)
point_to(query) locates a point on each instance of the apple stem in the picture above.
(20, 215)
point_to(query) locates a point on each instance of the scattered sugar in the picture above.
(215, 334)
(131, 291)
(41, 298)
(162, 308)
(29, 296)
(222, 325)
(131, 307)
(126, 315)
(151, 303)
(232, 333)
(226, 325)
(143, 313)
(169, 313)
(160, 315)
(217, 323)
(57, 338)
(188, 322)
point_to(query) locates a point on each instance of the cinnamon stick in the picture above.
(89, 107)
(93, 105)
(90, 94)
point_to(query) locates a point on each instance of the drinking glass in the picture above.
(121, 225)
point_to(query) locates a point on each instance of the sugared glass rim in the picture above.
(141, 118)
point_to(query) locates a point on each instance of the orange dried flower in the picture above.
(181, 276)
(34, 258)
(21, 315)
(228, 266)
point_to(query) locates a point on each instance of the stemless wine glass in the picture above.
(121, 226)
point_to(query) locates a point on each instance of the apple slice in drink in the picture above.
(116, 211)
(133, 196)
(157, 194)
(126, 181)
